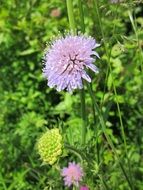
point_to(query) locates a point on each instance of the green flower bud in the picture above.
(50, 146)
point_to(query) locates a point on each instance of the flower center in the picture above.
(73, 64)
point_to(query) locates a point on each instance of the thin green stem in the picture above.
(95, 3)
(74, 188)
(103, 182)
(3, 182)
(96, 130)
(103, 125)
(77, 152)
(120, 117)
(82, 92)
(137, 38)
(110, 68)
(71, 16)
(84, 117)
(114, 87)
(81, 13)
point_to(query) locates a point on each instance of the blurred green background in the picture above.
(28, 106)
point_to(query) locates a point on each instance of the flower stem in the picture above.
(71, 16)
(81, 16)
(83, 115)
(82, 92)
(75, 152)
(108, 54)
(103, 125)
(137, 38)
(74, 188)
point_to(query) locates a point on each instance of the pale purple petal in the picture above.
(86, 77)
(92, 67)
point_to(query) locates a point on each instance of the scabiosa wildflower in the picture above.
(72, 174)
(84, 188)
(55, 13)
(115, 1)
(50, 146)
(66, 60)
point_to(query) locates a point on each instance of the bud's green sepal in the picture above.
(50, 146)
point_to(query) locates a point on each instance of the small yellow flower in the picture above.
(50, 146)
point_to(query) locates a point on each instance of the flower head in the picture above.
(72, 174)
(115, 1)
(66, 60)
(84, 188)
(55, 13)
(50, 146)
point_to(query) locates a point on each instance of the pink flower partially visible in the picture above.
(84, 188)
(115, 1)
(55, 13)
(72, 174)
(66, 60)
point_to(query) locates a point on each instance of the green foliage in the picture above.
(28, 106)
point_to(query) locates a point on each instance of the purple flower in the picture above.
(72, 174)
(115, 1)
(66, 60)
(84, 188)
